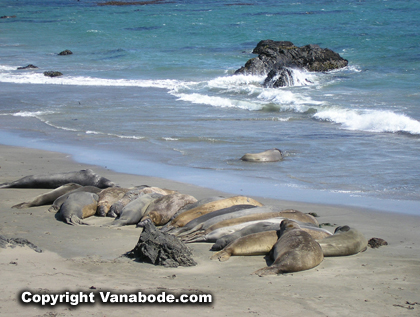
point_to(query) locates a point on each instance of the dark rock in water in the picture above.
(52, 74)
(28, 67)
(65, 52)
(275, 57)
(279, 78)
(13, 242)
(376, 243)
(160, 248)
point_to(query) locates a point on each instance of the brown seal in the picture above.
(294, 251)
(107, 197)
(191, 214)
(162, 209)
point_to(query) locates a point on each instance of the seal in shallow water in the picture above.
(83, 177)
(294, 251)
(344, 241)
(273, 155)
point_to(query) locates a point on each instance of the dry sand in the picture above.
(378, 282)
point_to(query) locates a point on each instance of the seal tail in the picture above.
(222, 256)
(74, 220)
(269, 270)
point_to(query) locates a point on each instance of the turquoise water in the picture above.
(154, 84)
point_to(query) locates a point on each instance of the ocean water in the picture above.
(149, 89)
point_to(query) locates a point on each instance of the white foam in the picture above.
(34, 114)
(370, 120)
(220, 102)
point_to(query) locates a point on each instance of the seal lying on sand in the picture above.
(107, 197)
(78, 206)
(135, 210)
(60, 200)
(48, 198)
(162, 209)
(344, 241)
(254, 244)
(83, 177)
(273, 155)
(294, 251)
(265, 225)
(191, 214)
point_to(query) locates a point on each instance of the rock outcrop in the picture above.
(276, 58)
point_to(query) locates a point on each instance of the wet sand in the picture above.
(377, 282)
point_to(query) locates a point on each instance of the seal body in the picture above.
(134, 211)
(162, 209)
(83, 177)
(273, 155)
(78, 206)
(191, 214)
(254, 244)
(344, 241)
(60, 200)
(107, 197)
(49, 197)
(294, 251)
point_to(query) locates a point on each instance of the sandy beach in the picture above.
(377, 282)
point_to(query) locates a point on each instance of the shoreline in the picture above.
(376, 282)
(212, 179)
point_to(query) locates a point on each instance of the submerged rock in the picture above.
(52, 73)
(276, 58)
(65, 52)
(160, 248)
(30, 66)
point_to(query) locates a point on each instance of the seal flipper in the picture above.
(22, 205)
(270, 270)
(74, 220)
(222, 256)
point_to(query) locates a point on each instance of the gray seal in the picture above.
(78, 206)
(49, 197)
(344, 241)
(273, 155)
(60, 200)
(83, 177)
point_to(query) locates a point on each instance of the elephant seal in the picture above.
(265, 225)
(162, 209)
(107, 197)
(344, 241)
(131, 195)
(231, 230)
(254, 244)
(60, 200)
(83, 177)
(134, 211)
(273, 155)
(191, 214)
(259, 213)
(294, 251)
(49, 197)
(213, 217)
(78, 206)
